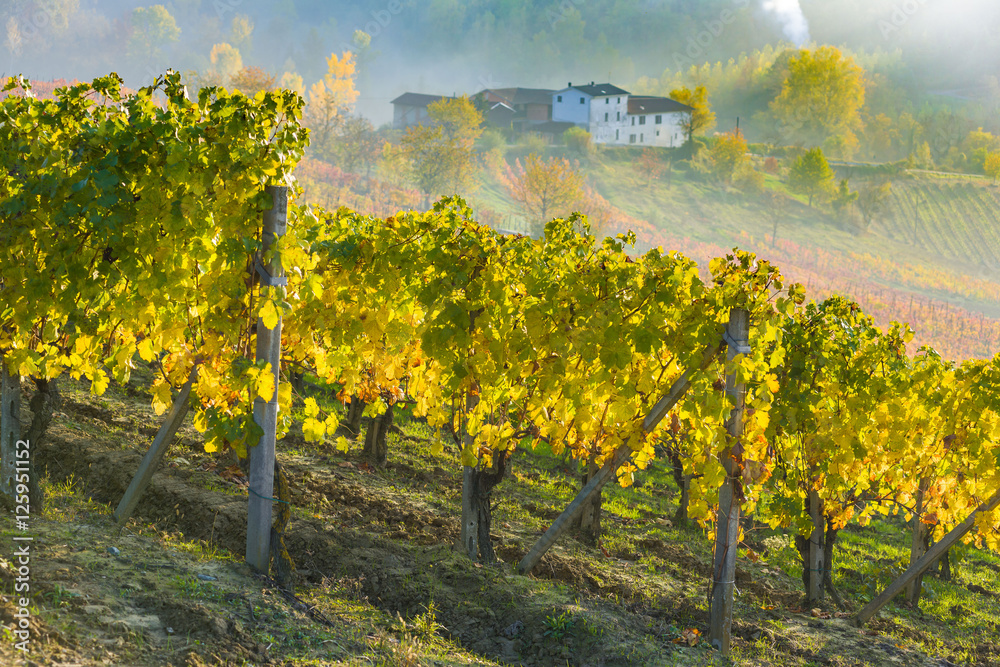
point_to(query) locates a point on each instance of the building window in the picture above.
(559, 98)
(659, 120)
(633, 120)
(616, 135)
(607, 100)
(642, 138)
(642, 120)
(657, 133)
(619, 115)
(605, 118)
(581, 100)
(619, 100)
(631, 138)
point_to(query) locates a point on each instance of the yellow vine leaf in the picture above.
(145, 349)
(311, 408)
(265, 385)
(161, 397)
(313, 429)
(269, 315)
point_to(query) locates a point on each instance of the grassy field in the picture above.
(378, 582)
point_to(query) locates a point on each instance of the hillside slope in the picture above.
(379, 584)
(941, 278)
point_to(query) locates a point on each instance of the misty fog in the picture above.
(449, 46)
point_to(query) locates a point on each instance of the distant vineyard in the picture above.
(887, 290)
(950, 219)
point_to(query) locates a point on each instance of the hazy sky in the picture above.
(449, 46)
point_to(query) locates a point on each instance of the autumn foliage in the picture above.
(543, 189)
(252, 80)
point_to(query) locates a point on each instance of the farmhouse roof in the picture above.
(419, 99)
(515, 96)
(641, 104)
(599, 89)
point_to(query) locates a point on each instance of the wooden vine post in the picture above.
(815, 554)
(10, 429)
(919, 545)
(265, 413)
(469, 534)
(727, 534)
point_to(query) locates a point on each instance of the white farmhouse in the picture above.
(599, 108)
(656, 121)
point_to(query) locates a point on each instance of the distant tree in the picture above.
(992, 166)
(394, 167)
(702, 118)
(844, 197)
(14, 41)
(775, 202)
(811, 175)
(252, 80)
(293, 81)
(651, 165)
(873, 197)
(241, 33)
(881, 136)
(578, 140)
(226, 62)
(727, 155)
(441, 154)
(544, 188)
(910, 133)
(820, 97)
(330, 100)
(944, 130)
(922, 157)
(361, 44)
(359, 146)
(843, 145)
(61, 13)
(152, 29)
(976, 147)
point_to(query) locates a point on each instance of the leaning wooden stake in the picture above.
(151, 461)
(265, 413)
(727, 534)
(925, 561)
(607, 471)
